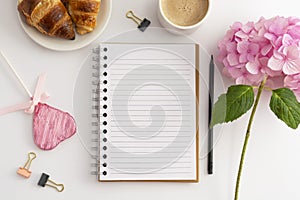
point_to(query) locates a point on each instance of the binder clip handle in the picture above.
(132, 16)
(45, 181)
(58, 187)
(31, 157)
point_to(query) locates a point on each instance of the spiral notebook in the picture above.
(146, 112)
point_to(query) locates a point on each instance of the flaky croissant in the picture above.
(84, 14)
(48, 16)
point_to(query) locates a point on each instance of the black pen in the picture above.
(210, 106)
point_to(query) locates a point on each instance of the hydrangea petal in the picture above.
(270, 36)
(252, 67)
(233, 59)
(234, 72)
(250, 57)
(242, 47)
(225, 62)
(241, 35)
(247, 27)
(237, 26)
(243, 58)
(266, 49)
(293, 82)
(278, 26)
(291, 67)
(293, 20)
(294, 32)
(231, 47)
(275, 64)
(255, 78)
(292, 52)
(290, 82)
(287, 40)
(241, 80)
(253, 48)
(278, 55)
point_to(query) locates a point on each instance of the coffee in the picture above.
(184, 12)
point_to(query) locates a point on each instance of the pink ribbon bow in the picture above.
(28, 107)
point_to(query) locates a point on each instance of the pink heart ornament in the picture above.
(51, 126)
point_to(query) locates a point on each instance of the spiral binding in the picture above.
(95, 64)
(99, 85)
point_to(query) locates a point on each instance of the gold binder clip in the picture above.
(142, 24)
(45, 181)
(24, 171)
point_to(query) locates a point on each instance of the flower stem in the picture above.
(260, 89)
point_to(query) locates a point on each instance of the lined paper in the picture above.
(147, 112)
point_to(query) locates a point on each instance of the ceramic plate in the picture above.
(81, 41)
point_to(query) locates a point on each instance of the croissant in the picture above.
(84, 14)
(48, 16)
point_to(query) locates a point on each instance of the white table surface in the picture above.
(272, 160)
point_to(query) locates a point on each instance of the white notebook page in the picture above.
(147, 112)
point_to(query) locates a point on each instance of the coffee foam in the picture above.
(184, 12)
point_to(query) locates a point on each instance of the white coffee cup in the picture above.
(167, 21)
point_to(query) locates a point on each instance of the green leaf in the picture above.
(240, 99)
(286, 107)
(232, 105)
(219, 111)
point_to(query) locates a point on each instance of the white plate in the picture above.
(80, 41)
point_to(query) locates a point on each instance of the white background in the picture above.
(272, 162)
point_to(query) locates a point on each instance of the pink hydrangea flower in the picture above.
(293, 82)
(267, 47)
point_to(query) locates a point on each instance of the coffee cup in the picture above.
(182, 16)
